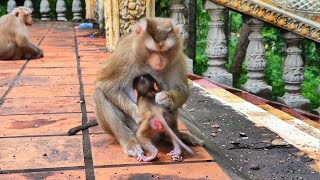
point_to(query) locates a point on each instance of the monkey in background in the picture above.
(153, 47)
(14, 39)
(155, 119)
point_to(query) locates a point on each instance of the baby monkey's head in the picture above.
(145, 85)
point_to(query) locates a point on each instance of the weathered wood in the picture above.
(150, 9)
(240, 53)
(90, 9)
(120, 17)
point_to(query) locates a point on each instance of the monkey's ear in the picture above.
(177, 28)
(155, 86)
(140, 26)
(17, 14)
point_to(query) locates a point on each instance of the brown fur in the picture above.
(116, 113)
(155, 119)
(14, 39)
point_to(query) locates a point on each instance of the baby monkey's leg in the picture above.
(147, 145)
(176, 148)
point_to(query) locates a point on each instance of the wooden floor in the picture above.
(41, 99)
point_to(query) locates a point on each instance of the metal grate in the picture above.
(302, 6)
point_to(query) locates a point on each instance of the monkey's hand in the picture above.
(164, 99)
(39, 54)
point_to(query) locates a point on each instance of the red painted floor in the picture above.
(42, 99)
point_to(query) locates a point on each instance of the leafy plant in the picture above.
(274, 45)
(162, 8)
(3, 8)
(202, 31)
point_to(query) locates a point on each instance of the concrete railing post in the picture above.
(77, 9)
(255, 62)
(216, 49)
(177, 12)
(45, 10)
(61, 10)
(11, 5)
(293, 73)
(28, 4)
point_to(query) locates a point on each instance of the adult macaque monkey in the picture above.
(14, 39)
(153, 47)
(155, 119)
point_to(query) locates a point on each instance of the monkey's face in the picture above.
(24, 14)
(27, 18)
(160, 39)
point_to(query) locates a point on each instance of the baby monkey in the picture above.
(155, 119)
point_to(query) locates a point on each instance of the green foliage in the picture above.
(162, 8)
(310, 86)
(312, 73)
(274, 45)
(202, 31)
(3, 8)
(236, 22)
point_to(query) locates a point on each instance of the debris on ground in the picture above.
(279, 142)
(258, 145)
(214, 134)
(254, 167)
(84, 26)
(215, 126)
(241, 134)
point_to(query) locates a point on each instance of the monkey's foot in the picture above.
(146, 158)
(133, 149)
(177, 158)
(174, 152)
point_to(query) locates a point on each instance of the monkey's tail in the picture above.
(171, 133)
(76, 129)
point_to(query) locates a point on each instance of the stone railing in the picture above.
(296, 28)
(45, 9)
(118, 17)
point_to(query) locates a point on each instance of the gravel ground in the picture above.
(242, 149)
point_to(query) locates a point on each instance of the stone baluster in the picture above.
(61, 10)
(216, 49)
(293, 74)
(28, 4)
(11, 5)
(177, 10)
(77, 9)
(255, 62)
(45, 10)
